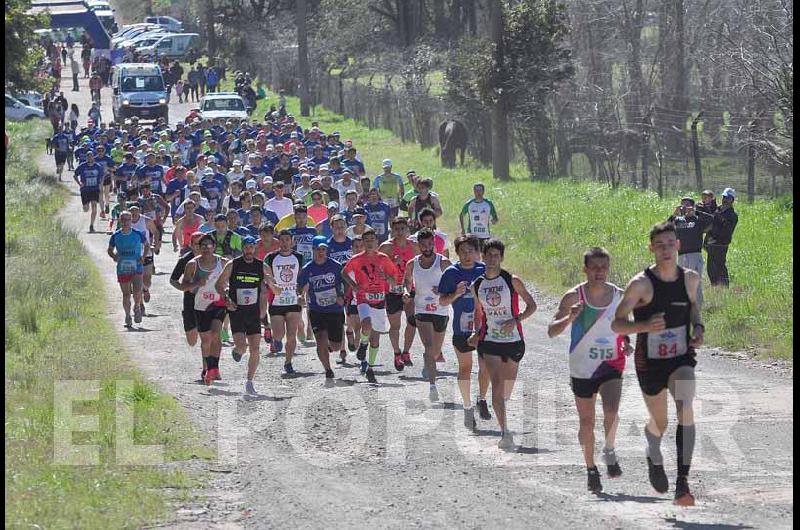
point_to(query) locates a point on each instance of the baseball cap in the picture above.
(359, 211)
(207, 134)
(247, 168)
(347, 170)
(237, 162)
(220, 217)
(335, 133)
(319, 241)
(387, 163)
(267, 180)
(208, 171)
(729, 193)
(334, 205)
(251, 184)
(316, 192)
(248, 240)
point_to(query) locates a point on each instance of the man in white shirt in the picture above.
(346, 183)
(280, 205)
(236, 173)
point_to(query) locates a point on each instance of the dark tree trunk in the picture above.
(751, 162)
(500, 161)
(302, 56)
(698, 168)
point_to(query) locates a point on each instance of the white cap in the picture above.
(237, 162)
(208, 171)
(387, 163)
(251, 184)
(267, 180)
(729, 192)
(247, 168)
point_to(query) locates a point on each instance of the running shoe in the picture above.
(682, 495)
(102, 214)
(91, 229)
(128, 321)
(483, 410)
(371, 376)
(506, 441)
(407, 359)
(143, 311)
(361, 354)
(364, 366)
(203, 375)
(469, 419)
(250, 389)
(209, 377)
(398, 362)
(433, 394)
(268, 334)
(658, 478)
(440, 358)
(351, 340)
(146, 295)
(328, 374)
(226, 337)
(236, 355)
(217, 375)
(593, 480)
(288, 368)
(610, 458)
(137, 314)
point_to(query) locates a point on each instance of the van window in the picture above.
(143, 83)
(165, 44)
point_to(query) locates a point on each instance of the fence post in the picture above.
(698, 170)
(751, 162)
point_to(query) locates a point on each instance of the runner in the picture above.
(427, 219)
(340, 248)
(302, 235)
(229, 243)
(359, 226)
(201, 275)
(668, 327)
(379, 214)
(477, 215)
(370, 274)
(61, 144)
(596, 357)
(455, 289)
(240, 286)
(402, 250)
(188, 313)
(498, 334)
(126, 248)
(187, 225)
(320, 282)
(88, 176)
(424, 200)
(105, 160)
(422, 277)
(147, 227)
(284, 304)
(353, 320)
(391, 188)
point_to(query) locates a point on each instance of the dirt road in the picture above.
(353, 454)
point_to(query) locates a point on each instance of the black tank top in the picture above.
(671, 299)
(244, 278)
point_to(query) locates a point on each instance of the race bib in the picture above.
(379, 229)
(246, 296)
(667, 344)
(326, 298)
(209, 296)
(91, 182)
(127, 266)
(396, 289)
(602, 351)
(376, 297)
(287, 297)
(480, 230)
(431, 305)
(467, 321)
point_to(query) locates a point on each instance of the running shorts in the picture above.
(127, 278)
(331, 323)
(460, 344)
(206, 318)
(586, 388)
(61, 158)
(352, 309)
(655, 376)
(439, 321)
(283, 310)
(88, 196)
(189, 314)
(506, 350)
(245, 320)
(394, 303)
(377, 316)
(107, 180)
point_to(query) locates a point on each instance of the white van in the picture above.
(172, 45)
(138, 90)
(172, 24)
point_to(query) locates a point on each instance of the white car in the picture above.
(16, 111)
(226, 105)
(31, 99)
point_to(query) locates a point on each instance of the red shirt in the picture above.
(365, 271)
(400, 256)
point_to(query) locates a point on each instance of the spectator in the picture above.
(201, 78)
(690, 226)
(719, 238)
(212, 79)
(194, 82)
(75, 67)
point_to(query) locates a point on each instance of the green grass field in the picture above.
(56, 330)
(548, 225)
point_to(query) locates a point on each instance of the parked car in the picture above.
(173, 45)
(31, 99)
(18, 111)
(132, 32)
(172, 24)
(145, 39)
(226, 105)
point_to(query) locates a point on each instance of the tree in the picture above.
(23, 52)
(499, 83)
(302, 56)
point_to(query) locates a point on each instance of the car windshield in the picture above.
(143, 83)
(223, 104)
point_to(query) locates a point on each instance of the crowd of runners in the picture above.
(283, 235)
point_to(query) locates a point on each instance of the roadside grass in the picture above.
(56, 331)
(548, 225)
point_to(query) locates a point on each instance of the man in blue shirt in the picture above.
(61, 146)
(107, 162)
(126, 248)
(378, 215)
(125, 172)
(320, 281)
(89, 177)
(152, 173)
(176, 190)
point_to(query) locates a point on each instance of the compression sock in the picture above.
(212, 362)
(373, 354)
(654, 448)
(684, 440)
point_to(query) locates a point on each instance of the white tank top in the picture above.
(285, 270)
(141, 226)
(207, 294)
(590, 348)
(500, 303)
(426, 286)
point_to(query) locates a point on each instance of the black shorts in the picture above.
(352, 310)
(439, 321)
(507, 350)
(205, 318)
(331, 323)
(88, 196)
(245, 320)
(283, 310)
(460, 344)
(61, 158)
(107, 180)
(189, 315)
(586, 388)
(394, 303)
(655, 376)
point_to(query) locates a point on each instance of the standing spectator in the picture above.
(62, 101)
(86, 58)
(179, 89)
(719, 238)
(194, 81)
(168, 82)
(63, 55)
(73, 117)
(95, 84)
(75, 67)
(177, 72)
(201, 78)
(212, 79)
(70, 41)
(186, 89)
(690, 225)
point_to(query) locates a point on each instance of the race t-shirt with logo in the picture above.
(302, 238)
(478, 217)
(368, 274)
(464, 305)
(245, 282)
(378, 218)
(500, 303)
(154, 174)
(60, 143)
(389, 187)
(285, 271)
(124, 175)
(90, 176)
(594, 348)
(340, 252)
(324, 285)
(130, 249)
